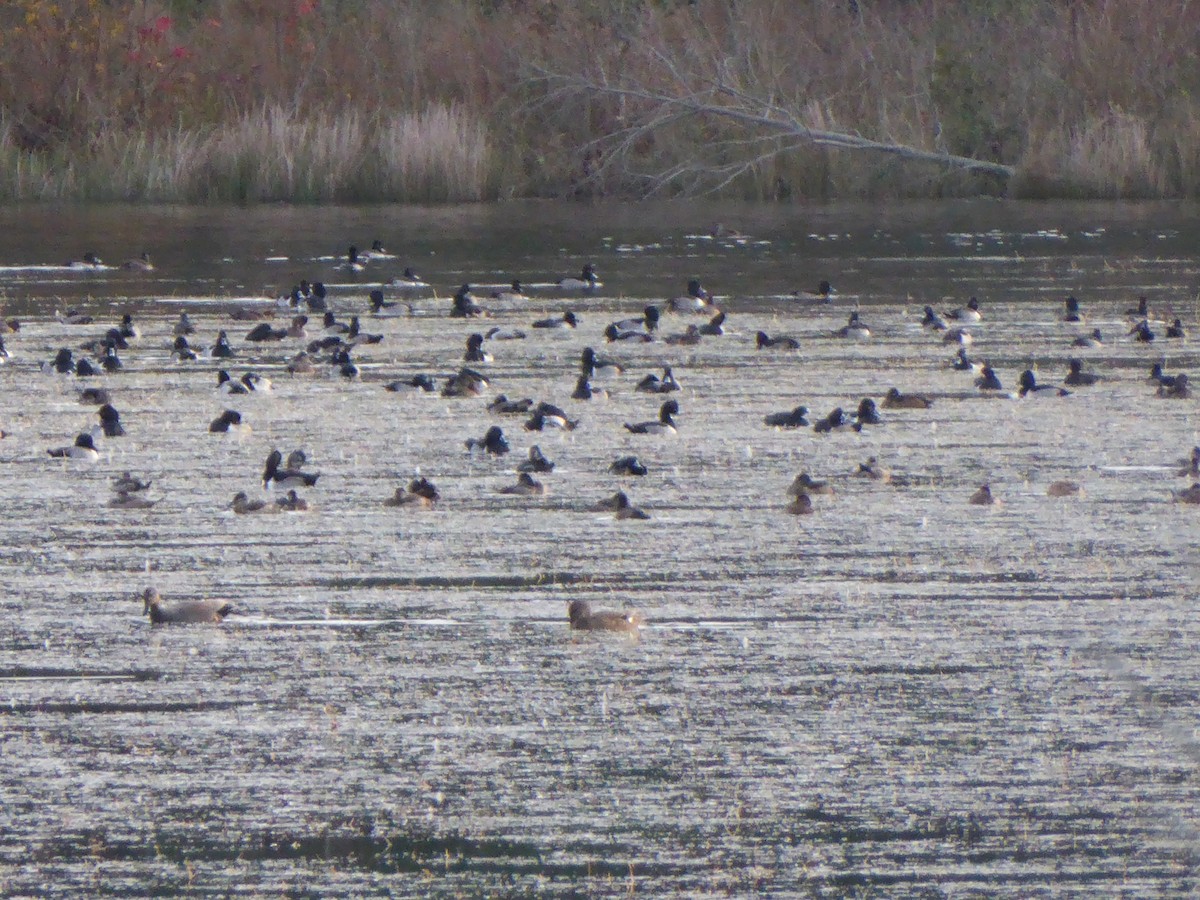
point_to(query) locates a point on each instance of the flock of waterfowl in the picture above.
(328, 344)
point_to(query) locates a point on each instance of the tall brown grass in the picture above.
(317, 101)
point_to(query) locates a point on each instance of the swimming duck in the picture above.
(688, 338)
(547, 415)
(594, 366)
(301, 364)
(694, 299)
(74, 317)
(85, 369)
(139, 263)
(9, 326)
(62, 364)
(128, 483)
(664, 425)
(464, 306)
(265, 332)
(806, 484)
(1072, 312)
(292, 502)
(610, 504)
(466, 383)
(418, 384)
(1191, 467)
(221, 349)
(124, 500)
(714, 327)
(1076, 377)
(646, 322)
(183, 351)
(1063, 489)
(494, 442)
(331, 327)
(511, 293)
(226, 384)
(988, 380)
(228, 422)
(567, 320)
(652, 384)
(526, 486)
(982, 497)
(836, 421)
(584, 390)
(613, 335)
(128, 330)
(1176, 330)
(353, 263)
(1141, 311)
(585, 282)
(1028, 387)
(356, 335)
(1177, 391)
(95, 396)
(408, 280)
(1141, 332)
(377, 251)
(854, 329)
(801, 505)
(475, 352)
(408, 498)
(932, 320)
(968, 313)
(624, 509)
(537, 462)
(381, 308)
(628, 465)
(84, 450)
(192, 612)
(497, 333)
(1189, 495)
(581, 617)
(897, 400)
(89, 260)
(110, 362)
(280, 479)
(823, 293)
(959, 336)
(110, 421)
(794, 419)
(1158, 377)
(256, 384)
(502, 406)
(764, 341)
(873, 470)
(244, 506)
(868, 413)
(1090, 341)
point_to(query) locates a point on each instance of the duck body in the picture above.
(896, 400)
(586, 281)
(284, 479)
(664, 425)
(763, 341)
(854, 329)
(192, 612)
(628, 465)
(1076, 377)
(582, 618)
(1029, 388)
(526, 486)
(796, 418)
(493, 442)
(228, 422)
(968, 313)
(565, 321)
(84, 450)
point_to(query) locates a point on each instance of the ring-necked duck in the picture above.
(89, 260)
(982, 497)
(695, 299)
(110, 421)
(84, 449)
(959, 336)
(647, 321)
(1141, 332)
(526, 486)
(537, 462)
(226, 384)
(1090, 341)
(835, 421)
(594, 366)
(1180, 390)
(474, 352)
(823, 294)
(1141, 311)
(421, 384)
(897, 400)
(1076, 377)
(1072, 313)
(377, 251)
(586, 281)
(139, 263)
(228, 422)
(1028, 387)
(932, 320)
(547, 415)
(873, 470)
(628, 465)
(381, 308)
(497, 333)
(221, 349)
(353, 263)
(190, 612)
(714, 327)
(567, 320)
(584, 390)
(511, 293)
(581, 617)
(963, 363)
(762, 341)
(968, 313)
(1176, 330)
(494, 442)
(793, 419)
(854, 329)
(466, 383)
(868, 413)
(464, 305)
(988, 380)
(408, 279)
(263, 332)
(614, 335)
(275, 477)
(502, 406)
(624, 509)
(664, 425)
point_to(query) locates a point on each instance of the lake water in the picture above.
(901, 695)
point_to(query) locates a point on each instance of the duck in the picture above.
(418, 384)
(585, 390)
(140, 263)
(191, 612)
(988, 380)
(502, 406)
(493, 442)
(526, 486)
(124, 500)
(1141, 311)
(646, 323)
(496, 333)
(464, 305)
(221, 349)
(586, 281)
(982, 497)
(4, 351)
(623, 509)
(356, 335)
(513, 292)
(1090, 341)
(89, 260)
(74, 317)
(110, 362)
(257, 384)
(85, 369)
(264, 331)
(1180, 390)
(244, 506)
(1063, 489)
(610, 504)
(1076, 377)
(341, 365)
(84, 449)
(959, 336)
(581, 618)
(1158, 377)
(594, 366)
(896, 400)
(128, 330)
(282, 479)
(9, 326)
(466, 383)
(1176, 330)
(228, 422)
(62, 364)
(95, 396)
(854, 329)
(968, 313)
(537, 462)
(1072, 312)
(182, 351)
(331, 327)
(475, 352)
(694, 299)
(652, 384)
(301, 364)
(547, 415)
(688, 338)
(932, 320)
(377, 251)
(353, 263)
(868, 413)
(665, 424)
(806, 484)
(628, 465)
(110, 421)
(292, 502)
(1141, 333)
(1189, 495)
(763, 341)
(963, 363)
(381, 308)
(128, 483)
(1191, 468)
(714, 327)
(873, 470)
(404, 497)
(835, 421)
(1028, 387)
(567, 320)
(823, 294)
(796, 418)
(227, 384)
(801, 505)
(408, 280)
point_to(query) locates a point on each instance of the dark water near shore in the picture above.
(901, 695)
